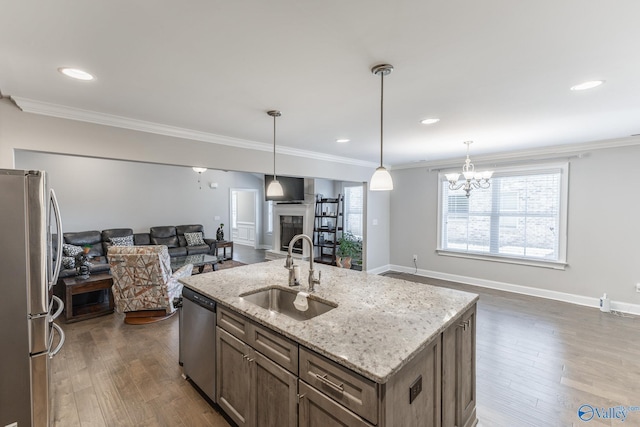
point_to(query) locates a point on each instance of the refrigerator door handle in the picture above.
(58, 266)
(60, 304)
(60, 344)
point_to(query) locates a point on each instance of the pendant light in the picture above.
(381, 179)
(275, 188)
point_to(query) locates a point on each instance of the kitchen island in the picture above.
(391, 352)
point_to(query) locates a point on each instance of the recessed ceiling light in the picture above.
(341, 140)
(587, 85)
(75, 73)
(429, 121)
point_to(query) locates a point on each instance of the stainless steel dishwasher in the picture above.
(198, 341)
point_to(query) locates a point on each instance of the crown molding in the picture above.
(71, 113)
(548, 153)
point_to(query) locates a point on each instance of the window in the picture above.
(521, 217)
(353, 208)
(270, 216)
(234, 209)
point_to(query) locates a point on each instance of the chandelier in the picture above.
(472, 179)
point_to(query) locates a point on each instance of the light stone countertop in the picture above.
(379, 325)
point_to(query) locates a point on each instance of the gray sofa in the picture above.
(100, 241)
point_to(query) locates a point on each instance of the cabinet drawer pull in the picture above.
(301, 396)
(324, 379)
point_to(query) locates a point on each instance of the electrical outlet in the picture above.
(415, 389)
(637, 287)
(415, 257)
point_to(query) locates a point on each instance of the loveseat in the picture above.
(173, 237)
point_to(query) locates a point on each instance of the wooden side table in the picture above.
(223, 244)
(76, 286)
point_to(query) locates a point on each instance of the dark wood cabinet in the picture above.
(318, 410)
(268, 380)
(274, 393)
(234, 379)
(459, 372)
(252, 389)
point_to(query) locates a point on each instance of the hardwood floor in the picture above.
(538, 361)
(113, 374)
(248, 254)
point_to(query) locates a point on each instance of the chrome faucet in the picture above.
(289, 263)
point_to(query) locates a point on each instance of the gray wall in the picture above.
(96, 194)
(21, 131)
(603, 232)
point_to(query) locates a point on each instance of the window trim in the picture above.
(560, 263)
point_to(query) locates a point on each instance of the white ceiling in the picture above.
(496, 72)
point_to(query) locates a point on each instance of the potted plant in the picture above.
(349, 247)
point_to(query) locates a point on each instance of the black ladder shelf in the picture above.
(327, 229)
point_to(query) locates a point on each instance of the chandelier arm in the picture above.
(456, 186)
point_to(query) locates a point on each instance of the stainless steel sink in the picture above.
(281, 301)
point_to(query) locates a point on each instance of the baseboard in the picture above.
(518, 289)
(379, 270)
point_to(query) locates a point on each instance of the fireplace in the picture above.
(283, 228)
(291, 225)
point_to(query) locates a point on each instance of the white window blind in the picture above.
(522, 215)
(353, 210)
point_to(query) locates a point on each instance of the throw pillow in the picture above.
(68, 262)
(71, 250)
(194, 239)
(122, 241)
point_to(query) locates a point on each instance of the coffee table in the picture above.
(199, 261)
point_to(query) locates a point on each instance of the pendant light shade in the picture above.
(275, 188)
(381, 179)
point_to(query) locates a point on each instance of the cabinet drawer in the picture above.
(235, 324)
(276, 347)
(318, 410)
(343, 385)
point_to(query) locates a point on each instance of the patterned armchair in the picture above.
(143, 285)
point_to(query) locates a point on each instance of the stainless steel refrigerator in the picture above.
(29, 227)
